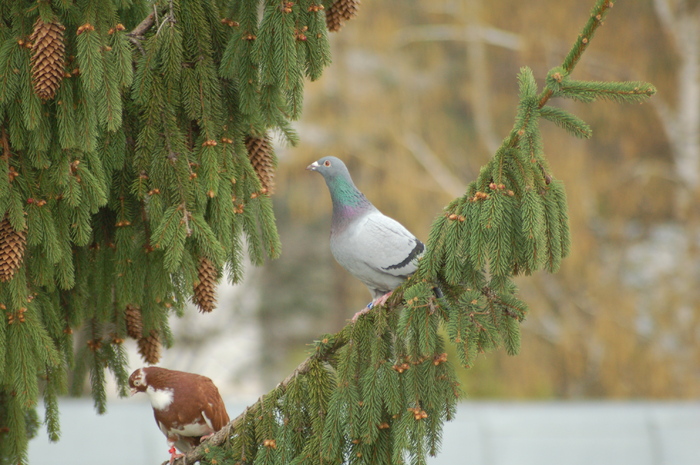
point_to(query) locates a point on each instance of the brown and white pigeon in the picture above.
(376, 249)
(187, 406)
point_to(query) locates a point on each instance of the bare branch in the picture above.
(143, 26)
(472, 33)
(136, 35)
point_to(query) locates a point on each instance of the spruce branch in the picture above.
(566, 120)
(324, 350)
(600, 10)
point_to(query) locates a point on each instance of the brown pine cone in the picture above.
(149, 347)
(262, 157)
(134, 326)
(47, 58)
(205, 289)
(339, 12)
(12, 245)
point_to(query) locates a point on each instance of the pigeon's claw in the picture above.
(174, 455)
(378, 302)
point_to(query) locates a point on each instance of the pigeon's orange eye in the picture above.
(137, 382)
(327, 163)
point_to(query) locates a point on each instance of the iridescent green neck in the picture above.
(347, 200)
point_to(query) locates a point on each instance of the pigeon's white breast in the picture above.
(160, 398)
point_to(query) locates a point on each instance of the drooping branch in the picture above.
(324, 350)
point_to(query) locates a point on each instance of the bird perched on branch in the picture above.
(376, 249)
(187, 406)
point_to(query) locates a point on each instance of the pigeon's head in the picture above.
(137, 381)
(329, 167)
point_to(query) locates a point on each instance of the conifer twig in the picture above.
(324, 349)
(595, 20)
(572, 58)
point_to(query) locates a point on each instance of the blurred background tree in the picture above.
(420, 94)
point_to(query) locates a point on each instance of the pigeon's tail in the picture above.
(440, 296)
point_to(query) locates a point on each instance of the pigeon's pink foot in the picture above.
(378, 302)
(174, 455)
(205, 437)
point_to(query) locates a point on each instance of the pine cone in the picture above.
(262, 157)
(339, 12)
(12, 244)
(47, 58)
(205, 289)
(134, 327)
(149, 347)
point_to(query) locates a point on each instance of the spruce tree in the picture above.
(136, 167)
(135, 148)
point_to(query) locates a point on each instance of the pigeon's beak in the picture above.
(133, 391)
(313, 166)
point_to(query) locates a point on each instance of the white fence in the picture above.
(484, 433)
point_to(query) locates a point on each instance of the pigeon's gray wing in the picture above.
(394, 249)
(379, 251)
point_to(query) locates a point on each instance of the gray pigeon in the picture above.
(376, 249)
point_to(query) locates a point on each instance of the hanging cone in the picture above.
(205, 289)
(149, 347)
(12, 244)
(262, 157)
(134, 327)
(339, 12)
(47, 58)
